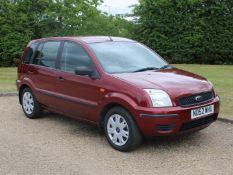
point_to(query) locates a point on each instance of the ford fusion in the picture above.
(115, 83)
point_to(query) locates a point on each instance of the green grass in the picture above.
(7, 80)
(220, 75)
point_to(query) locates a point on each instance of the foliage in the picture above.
(187, 31)
(24, 20)
(182, 31)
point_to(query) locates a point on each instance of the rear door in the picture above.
(42, 71)
(79, 95)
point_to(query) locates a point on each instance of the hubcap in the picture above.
(28, 102)
(118, 130)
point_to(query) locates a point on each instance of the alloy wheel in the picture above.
(28, 103)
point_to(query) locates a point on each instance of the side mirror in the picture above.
(84, 70)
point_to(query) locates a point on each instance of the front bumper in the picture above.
(173, 120)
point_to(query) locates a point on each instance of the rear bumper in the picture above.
(18, 83)
(173, 120)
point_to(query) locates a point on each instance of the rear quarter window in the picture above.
(30, 51)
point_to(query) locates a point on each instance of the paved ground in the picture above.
(59, 145)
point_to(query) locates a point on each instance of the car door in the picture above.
(79, 95)
(42, 71)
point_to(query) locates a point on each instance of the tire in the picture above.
(30, 105)
(121, 131)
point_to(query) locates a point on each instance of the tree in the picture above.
(187, 31)
(24, 20)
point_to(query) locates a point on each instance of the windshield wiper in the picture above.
(165, 67)
(146, 68)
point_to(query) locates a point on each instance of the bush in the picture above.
(187, 31)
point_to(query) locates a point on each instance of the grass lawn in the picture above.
(220, 75)
(7, 80)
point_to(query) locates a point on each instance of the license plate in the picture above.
(200, 112)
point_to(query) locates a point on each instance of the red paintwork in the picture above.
(120, 89)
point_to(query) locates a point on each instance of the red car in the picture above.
(115, 83)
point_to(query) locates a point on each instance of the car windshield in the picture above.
(124, 57)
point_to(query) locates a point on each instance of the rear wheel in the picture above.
(30, 105)
(120, 130)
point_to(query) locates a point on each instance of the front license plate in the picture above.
(200, 112)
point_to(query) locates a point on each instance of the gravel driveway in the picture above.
(59, 145)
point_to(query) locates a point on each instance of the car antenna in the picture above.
(110, 38)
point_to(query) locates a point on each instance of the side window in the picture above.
(30, 53)
(74, 56)
(48, 55)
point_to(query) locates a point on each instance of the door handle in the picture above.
(30, 72)
(61, 79)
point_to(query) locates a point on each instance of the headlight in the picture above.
(159, 98)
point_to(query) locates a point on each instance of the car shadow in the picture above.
(75, 126)
(83, 129)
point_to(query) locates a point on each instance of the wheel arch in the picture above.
(105, 110)
(116, 99)
(109, 106)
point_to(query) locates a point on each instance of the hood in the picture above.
(174, 81)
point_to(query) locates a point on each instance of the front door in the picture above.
(78, 95)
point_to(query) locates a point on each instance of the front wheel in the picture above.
(120, 130)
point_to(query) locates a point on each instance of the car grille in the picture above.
(198, 122)
(196, 99)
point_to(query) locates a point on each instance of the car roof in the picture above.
(87, 39)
